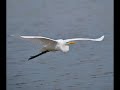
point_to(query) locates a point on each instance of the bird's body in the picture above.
(56, 45)
(61, 46)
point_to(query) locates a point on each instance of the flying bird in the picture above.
(50, 45)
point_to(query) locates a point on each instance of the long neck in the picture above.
(64, 48)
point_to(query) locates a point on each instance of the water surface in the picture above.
(87, 66)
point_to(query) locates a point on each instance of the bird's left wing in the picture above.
(40, 39)
(77, 39)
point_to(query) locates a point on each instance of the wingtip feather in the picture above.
(101, 38)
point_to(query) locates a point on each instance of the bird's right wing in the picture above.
(40, 39)
(77, 39)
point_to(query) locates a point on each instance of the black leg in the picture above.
(38, 54)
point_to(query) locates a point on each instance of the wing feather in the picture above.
(77, 39)
(40, 39)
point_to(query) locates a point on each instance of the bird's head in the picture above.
(61, 41)
(70, 43)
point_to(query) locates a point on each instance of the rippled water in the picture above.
(87, 66)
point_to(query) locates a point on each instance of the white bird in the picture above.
(56, 45)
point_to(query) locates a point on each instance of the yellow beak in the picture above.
(71, 43)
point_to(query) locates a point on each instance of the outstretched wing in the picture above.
(77, 39)
(40, 39)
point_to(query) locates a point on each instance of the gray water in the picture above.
(87, 66)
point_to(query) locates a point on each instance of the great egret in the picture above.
(56, 45)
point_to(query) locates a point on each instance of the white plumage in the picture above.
(57, 45)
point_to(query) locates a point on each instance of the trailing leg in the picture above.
(38, 54)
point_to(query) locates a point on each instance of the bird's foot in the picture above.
(31, 57)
